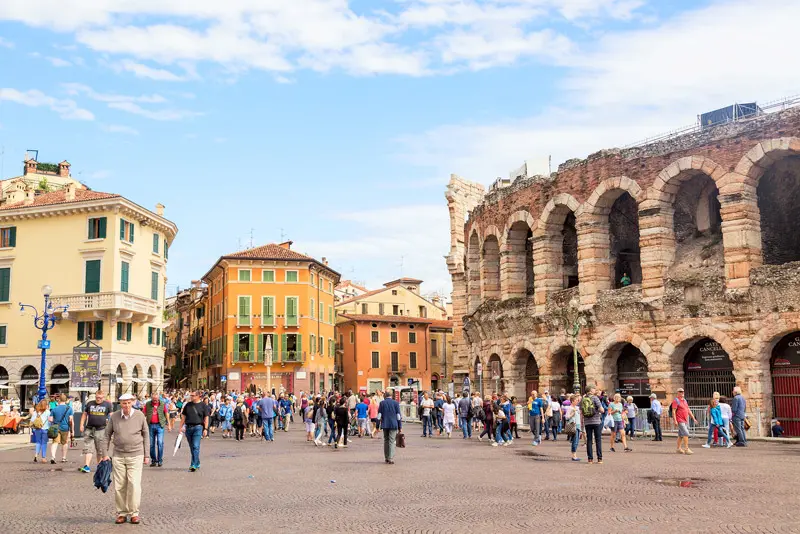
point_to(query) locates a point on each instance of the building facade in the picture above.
(191, 342)
(347, 289)
(105, 257)
(682, 255)
(271, 320)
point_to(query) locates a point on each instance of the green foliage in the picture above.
(47, 167)
(44, 186)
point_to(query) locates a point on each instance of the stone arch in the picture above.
(122, 380)
(516, 259)
(137, 373)
(525, 369)
(775, 328)
(605, 248)
(604, 357)
(742, 219)
(675, 186)
(551, 271)
(473, 274)
(490, 267)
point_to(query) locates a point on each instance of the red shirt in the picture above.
(154, 417)
(681, 410)
(249, 402)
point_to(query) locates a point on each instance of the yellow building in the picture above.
(271, 298)
(399, 298)
(104, 256)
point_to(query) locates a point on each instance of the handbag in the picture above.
(570, 428)
(747, 424)
(52, 432)
(401, 440)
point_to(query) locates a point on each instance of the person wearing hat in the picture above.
(680, 416)
(127, 431)
(655, 416)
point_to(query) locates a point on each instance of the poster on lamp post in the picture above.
(85, 367)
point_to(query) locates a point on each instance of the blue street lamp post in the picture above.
(44, 322)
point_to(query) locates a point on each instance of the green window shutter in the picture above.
(98, 330)
(149, 335)
(312, 308)
(131, 229)
(81, 330)
(5, 284)
(155, 243)
(130, 331)
(244, 311)
(236, 349)
(92, 276)
(154, 285)
(299, 346)
(268, 276)
(120, 326)
(101, 231)
(122, 224)
(158, 336)
(321, 311)
(166, 249)
(252, 344)
(276, 347)
(3, 335)
(268, 311)
(12, 238)
(125, 276)
(260, 349)
(283, 344)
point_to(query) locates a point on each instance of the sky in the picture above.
(337, 123)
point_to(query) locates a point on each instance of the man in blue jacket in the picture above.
(391, 421)
(739, 409)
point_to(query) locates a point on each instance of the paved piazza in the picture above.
(437, 485)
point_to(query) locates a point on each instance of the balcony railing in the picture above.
(112, 300)
(396, 369)
(293, 356)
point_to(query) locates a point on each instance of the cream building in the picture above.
(105, 257)
(398, 297)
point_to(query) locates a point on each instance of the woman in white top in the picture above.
(449, 410)
(573, 416)
(40, 422)
(727, 414)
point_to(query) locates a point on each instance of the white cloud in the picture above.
(156, 115)
(65, 108)
(75, 89)
(628, 86)
(143, 71)
(121, 129)
(409, 37)
(58, 62)
(4, 43)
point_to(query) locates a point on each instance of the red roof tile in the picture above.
(59, 197)
(385, 318)
(363, 295)
(269, 252)
(350, 283)
(441, 323)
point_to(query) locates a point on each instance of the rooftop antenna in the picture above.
(283, 236)
(251, 237)
(402, 260)
(239, 244)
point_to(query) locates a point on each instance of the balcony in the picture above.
(106, 305)
(293, 356)
(396, 369)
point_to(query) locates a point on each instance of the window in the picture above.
(423, 312)
(268, 311)
(90, 330)
(434, 348)
(153, 336)
(396, 310)
(311, 278)
(412, 337)
(244, 275)
(154, 285)
(412, 360)
(267, 276)
(291, 276)
(125, 275)
(8, 237)
(126, 231)
(166, 249)
(92, 280)
(392, 337)
(330, 314)
(5, 284)
(394, 292)
(352, 337)
(313, 344)
(376, 359)
(395, 361)
(155, 243)
(124, 331)
(364, 309)
(244, 312)
(291, 311)
(321, 310)
(3, 337)
(312, 308)
(375, 336)
(380, 308)
(97, 228)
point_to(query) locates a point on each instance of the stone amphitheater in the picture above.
(682, 255)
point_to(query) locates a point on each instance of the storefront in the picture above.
(707, 369)
(785, 369)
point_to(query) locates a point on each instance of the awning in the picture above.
(139, 380)
(3, 386)
(57, 381)
(150, 381)
(4, 382)
(90, 390)
(27, 382)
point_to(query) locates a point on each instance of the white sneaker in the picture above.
(506, 443)
(479, 438)
(730, 444)
(494, 444)
(706, 446)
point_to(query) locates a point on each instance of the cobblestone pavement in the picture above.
(437, 485)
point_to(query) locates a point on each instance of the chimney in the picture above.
(30, 194)
(160, 209)
(69, 192)
(196, 283)
(30, 166)
(286, 244)
(324, 261)
(63, 168)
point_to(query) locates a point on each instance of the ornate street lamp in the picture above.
(572, 319)
(44, 322)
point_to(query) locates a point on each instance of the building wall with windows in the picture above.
(398, 297)
(113, 281)
(272, 297)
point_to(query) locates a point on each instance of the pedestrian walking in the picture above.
(40, 422)
(739, 409)
(633, 412)
(374, 402)
(592, 412)
(427, 406)
(616, 410)
(655, 416)
(157, 415)
(680, 416)
(449, 415)
(362, 414)
(513, 417)
(239, 418)
(93, 427)
(727, 414)
(391, 421)
(465, 415)
(194, 424)
(716, 425)
(267, 407)
(500, 422)
(61, 417)
(535, 405)
(127, 431)
(342, 420)
(555, 418)
(572, 424)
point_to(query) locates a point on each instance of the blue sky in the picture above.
(336, 124)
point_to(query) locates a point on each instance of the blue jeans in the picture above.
(498, 434)
(576, 439)
(631, 430)
(427, 428)
(741, 438)
(267, 429)
(194, 433)
(723, 434)
(332, 436)
(157, 442)
(466, 427)
(536, 428)
(594, 431)
(318, 430)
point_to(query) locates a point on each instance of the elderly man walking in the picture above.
(391, 421)
(739, 410)
(127, 431)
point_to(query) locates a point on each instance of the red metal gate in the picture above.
(786, 398)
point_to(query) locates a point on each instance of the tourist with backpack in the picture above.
(488, 420)
(239, 418)
(592, 412)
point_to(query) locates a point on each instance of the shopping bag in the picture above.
(401, 440)
(609, 421)
(177, 443)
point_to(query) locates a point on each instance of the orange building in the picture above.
(271, 301)
(379, 351)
